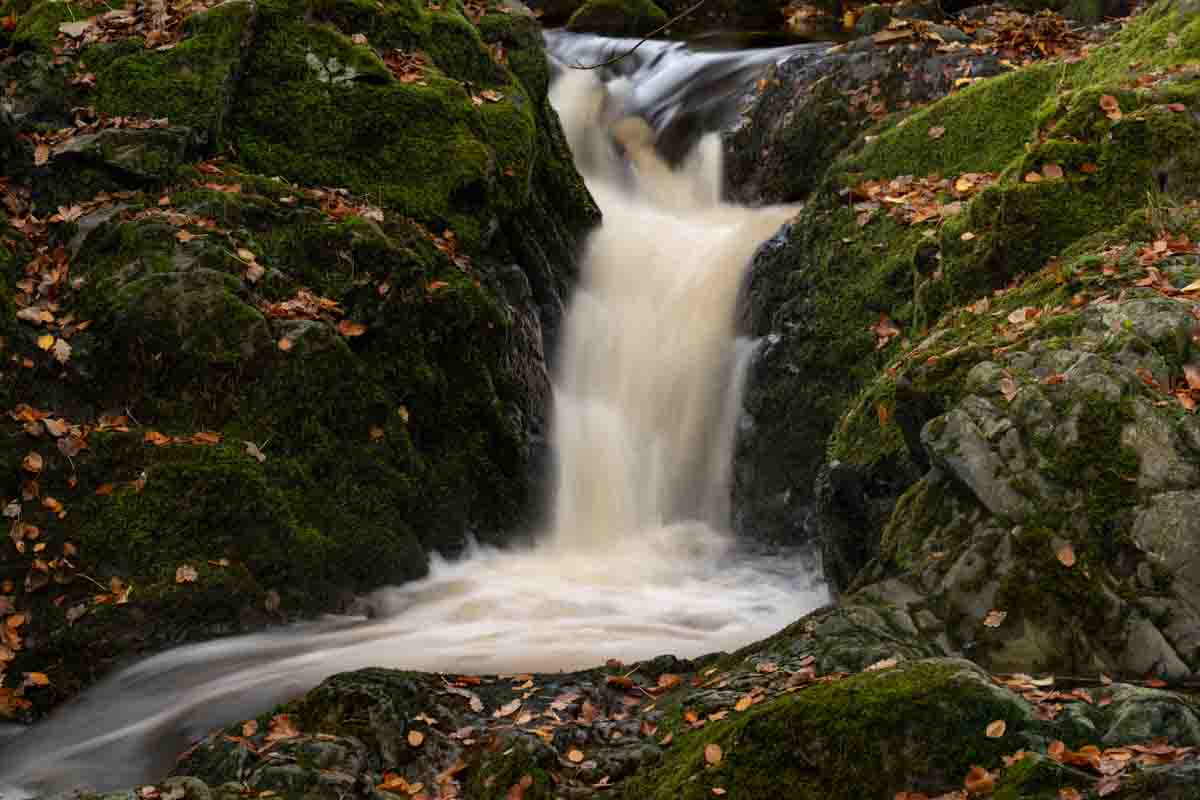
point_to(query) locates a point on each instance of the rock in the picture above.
(617, 17)
(873, 19)
(153, 155)
(383, 343)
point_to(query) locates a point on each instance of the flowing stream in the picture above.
(636, 562)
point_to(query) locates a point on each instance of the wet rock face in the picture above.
(272, 233)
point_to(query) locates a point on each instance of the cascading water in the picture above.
(636, 563)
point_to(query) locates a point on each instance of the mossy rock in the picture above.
(816, 297)
(342, 459)
(617, 17)
(917, 727)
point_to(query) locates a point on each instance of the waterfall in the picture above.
(636, 562)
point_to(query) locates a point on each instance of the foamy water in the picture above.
(636, 562)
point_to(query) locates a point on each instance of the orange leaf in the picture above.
(415, 738)
(996, 729)
(348, 329)
(979, 781)
(1066, 555)
(1052, 171)
(32, 463)
(712, 754)
(575, 755)
(155, 438)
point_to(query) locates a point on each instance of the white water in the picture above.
(636, 562)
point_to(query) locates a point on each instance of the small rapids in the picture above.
(636, 561)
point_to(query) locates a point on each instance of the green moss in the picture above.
(1036, 778)
(425, 148)
(918, 727)
(986, 126)
(520, 760)
(190, 84)
(617, 17)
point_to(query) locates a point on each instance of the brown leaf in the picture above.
(885, 330)
(157, 439)
(281, 727)
(575, 755)
(669, 681)
(32, 463)
(712, 754)
(996, 729)
(979, 781)
(937, 132)
(186, 574)
(1066, 555)
(994, 618)
(1033, 177)
(517, 790)
(1069, 793)
(415, 738)
(41, 154)
(507, 709)
(348, 328)
(1191, 372)
(285, 344)
(1111, 107)
(1052, 171)
(1008, 387)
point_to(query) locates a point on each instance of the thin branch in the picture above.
(643, 40)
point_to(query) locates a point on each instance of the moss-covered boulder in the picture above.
(280, 292)
(617, 17)
(855, 276)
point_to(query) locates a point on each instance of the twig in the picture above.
(643, 40)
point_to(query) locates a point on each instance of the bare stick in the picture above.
(643, 40)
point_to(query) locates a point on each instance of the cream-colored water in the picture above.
(636, 562)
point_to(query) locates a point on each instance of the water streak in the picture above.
(636, 562)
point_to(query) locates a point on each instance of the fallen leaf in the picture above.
(62, 351)
(979, 781)
(575, 755)
(285, 344)
(249, 728)
(45, 342)
(712, 754)
(186, 574)
(348, 328)
(996, 729)
(255, 452)
(36, 679)
(1111, 107)
(994, 618)
(1066, 555)
(32, 463)
(507, 709)
(1008, 387)
(1033, 177)
(415, 738)
(1069, 793)
(937, 132)
(157, 439)
(669, 681)
(1052, 171)
(281, 727)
